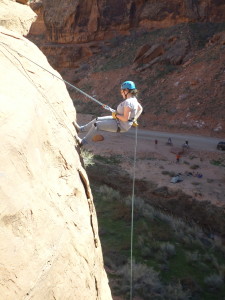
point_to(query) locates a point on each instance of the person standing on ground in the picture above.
(128, 111)
(178, 158)
(186, 145)
(169, 142)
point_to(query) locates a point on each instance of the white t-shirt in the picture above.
(133, 104)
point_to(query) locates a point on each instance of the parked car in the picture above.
(220, 146)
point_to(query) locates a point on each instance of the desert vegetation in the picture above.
(172, 259)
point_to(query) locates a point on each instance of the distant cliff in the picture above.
(79, 21)
(50, 248)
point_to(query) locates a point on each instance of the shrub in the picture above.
(176, 292)
(194, 167)
(112, 159)
(147, 212)
(146, 252)
(195, 183)
(210, 180)
(214, 281)
(193, 257)
(192, 157)
(219, 162)
(165, 172)
(88, 157)
(108, 194)
(170, 173)
(169, 249)
(145, 283)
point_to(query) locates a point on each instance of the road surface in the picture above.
(196, 142)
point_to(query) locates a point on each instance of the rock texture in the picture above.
(79, 21)
(171, 52)
(50, 247)
(38, 28)
(16, 17)
(69, 28)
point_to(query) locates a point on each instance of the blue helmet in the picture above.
(130, 85)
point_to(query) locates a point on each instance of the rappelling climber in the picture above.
(126, 115)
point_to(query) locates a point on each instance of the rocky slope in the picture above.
(173, 51)
(49, 233)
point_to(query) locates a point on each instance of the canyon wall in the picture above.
(50, 248)
(78, 21)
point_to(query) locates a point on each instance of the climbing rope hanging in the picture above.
(106, 107)
(132, 214)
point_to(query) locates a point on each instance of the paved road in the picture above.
(195, 141)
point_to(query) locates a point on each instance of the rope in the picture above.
(106, 107)
(132, 216)
(73, 86)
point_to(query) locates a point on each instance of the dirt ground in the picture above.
(156, 163)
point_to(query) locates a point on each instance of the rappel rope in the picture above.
(132, 216)
(73, 86)
(106, 107)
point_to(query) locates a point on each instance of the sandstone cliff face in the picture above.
(50, 247)
(16, 17)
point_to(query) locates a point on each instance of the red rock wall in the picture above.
(61, 25)
(87, 20)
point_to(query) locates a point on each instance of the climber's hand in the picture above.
(114, 115)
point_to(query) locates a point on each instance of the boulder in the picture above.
(153, 52)
(140, 52)
(218, 38)
(50, 248)
(146, 56)
(176, 52)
